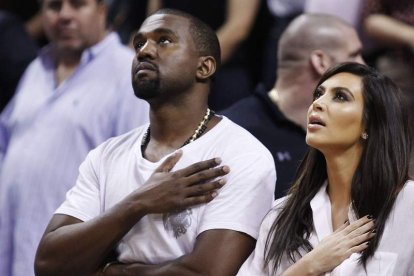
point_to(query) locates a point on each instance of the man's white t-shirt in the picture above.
(393, 257)
(116, 168)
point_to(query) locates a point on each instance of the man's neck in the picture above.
(171, 127)
(293, 97)
(66, 64)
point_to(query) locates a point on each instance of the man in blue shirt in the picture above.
(76, 94)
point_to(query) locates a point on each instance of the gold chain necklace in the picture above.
(201, 128)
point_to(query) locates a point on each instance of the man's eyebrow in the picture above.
(158, 31)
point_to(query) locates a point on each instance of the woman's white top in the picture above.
(394, 255)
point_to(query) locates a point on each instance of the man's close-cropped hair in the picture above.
(205, 39)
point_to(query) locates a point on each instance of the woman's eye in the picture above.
(317, 94)
(340, 97)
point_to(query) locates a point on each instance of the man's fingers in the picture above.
(207, 175)
(195, 200)
(170, 162)
(203, 188)
(199, 166)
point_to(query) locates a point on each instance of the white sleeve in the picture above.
(83, 200)
(255, 264)
(245, 198)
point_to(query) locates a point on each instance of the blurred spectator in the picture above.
(283, 12)
(347, 10)
(16, 52)
(307, 48)
(232, 20)
(391, 25)
(125, 16)
(76, 94)
(28, 11)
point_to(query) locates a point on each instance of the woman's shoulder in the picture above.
(405, 198)
(408, 188)
(277, 206)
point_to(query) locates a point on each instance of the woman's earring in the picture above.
(364, 136)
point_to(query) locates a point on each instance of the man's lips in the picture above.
(147, 66)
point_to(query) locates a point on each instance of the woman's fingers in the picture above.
(360, 239)
(359, 248)
(360, 223)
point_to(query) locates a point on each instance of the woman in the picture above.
(357, 167)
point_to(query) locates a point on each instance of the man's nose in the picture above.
(66, 10)
(148, 50)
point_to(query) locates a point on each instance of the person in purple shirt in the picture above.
(76, 94)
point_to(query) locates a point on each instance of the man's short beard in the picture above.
(146, 89)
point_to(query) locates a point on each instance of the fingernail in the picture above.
(222, 181)
(369, 216)
(214, 194)
(225, 169)
(217, 160)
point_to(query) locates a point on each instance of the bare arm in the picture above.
(334, 249)
(239, 21)
(72, 247)
(153, 6)
(389, 31)
(216, 252)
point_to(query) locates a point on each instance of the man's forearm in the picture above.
(175, 268)
(85, 244)
(389, 30)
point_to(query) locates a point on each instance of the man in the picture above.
(74, 96)
(127, 198)
(310, 44)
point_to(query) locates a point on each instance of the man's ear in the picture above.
(206, 67)
(320, 61)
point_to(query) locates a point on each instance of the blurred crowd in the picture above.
(42, 128)
(248, 33)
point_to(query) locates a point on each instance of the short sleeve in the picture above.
(255, 264)
(83, 200)
(245, 198)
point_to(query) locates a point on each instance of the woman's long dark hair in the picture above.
(379, 177)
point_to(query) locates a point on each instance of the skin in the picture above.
(236, 27)
(389, 31)
(331, 42)
(334, 249)
(338, 104)
(72, 26)
(178, 100)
